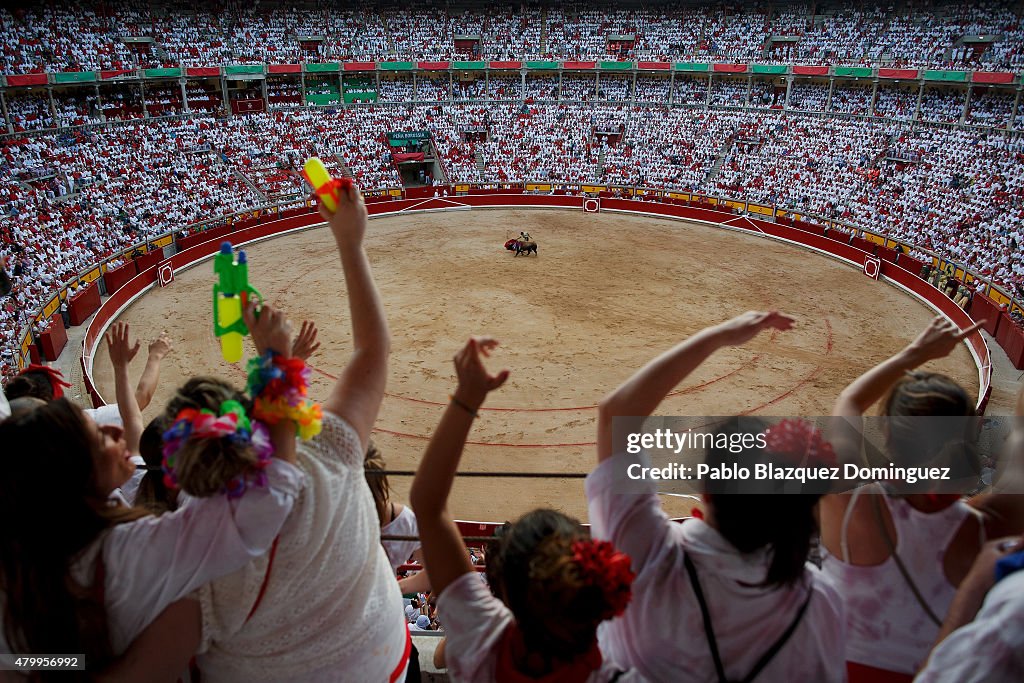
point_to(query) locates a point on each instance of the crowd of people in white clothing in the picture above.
(74, 197)
(84, 35)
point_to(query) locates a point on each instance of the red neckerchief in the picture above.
(512, 649)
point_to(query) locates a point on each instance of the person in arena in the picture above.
(90, 574)
(323, 604)
(554, 585)
(729, 597)
(894, 554)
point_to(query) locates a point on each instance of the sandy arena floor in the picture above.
(606, 293)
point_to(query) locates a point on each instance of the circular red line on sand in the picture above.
(686, 390)
(804, 381)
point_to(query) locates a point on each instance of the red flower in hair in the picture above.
(799, 442)
(53, 375)
(605, 567)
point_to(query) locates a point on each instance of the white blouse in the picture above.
(474, 621)
(154, 561)
(331, 608)
(990, 649)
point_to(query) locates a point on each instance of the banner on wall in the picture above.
(872, 267)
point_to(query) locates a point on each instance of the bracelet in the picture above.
(462, 405)
(278, 387)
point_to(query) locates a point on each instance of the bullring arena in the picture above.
(607, 292)
(859, 166)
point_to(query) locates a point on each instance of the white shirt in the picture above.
(990, 649)
(661, 633)
(331, 609)
(404, 524)
(105, 416)
(474, 621)
(154, 561)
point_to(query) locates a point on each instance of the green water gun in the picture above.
(230, 297)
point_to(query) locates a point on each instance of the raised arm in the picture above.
(158, 349)
(443, 549)
(937, 341)
(641, 393)
(358, 393)
(846, 435)
(272, 330)
(121, 354)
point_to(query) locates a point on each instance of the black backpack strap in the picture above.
(709, 631)
(774, 649)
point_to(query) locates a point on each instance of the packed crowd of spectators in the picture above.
(729, 92)
(653, 89)
(504, 86)
(86, 194)
(898, 103)
(690, 90)
(852, 99)
(84, 35)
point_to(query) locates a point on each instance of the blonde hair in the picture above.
(204, 467)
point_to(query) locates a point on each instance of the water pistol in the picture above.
(325, 187)
(230, 297)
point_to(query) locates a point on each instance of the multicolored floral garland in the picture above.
(232, 423)
(278, 387)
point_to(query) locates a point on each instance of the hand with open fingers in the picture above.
(119, 346)
(161, 346)
(743, 328)
(940, 338)
(475, 382)
(348, 222)
(271, 330)
(305, 344)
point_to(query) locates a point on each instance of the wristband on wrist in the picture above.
(462, 405)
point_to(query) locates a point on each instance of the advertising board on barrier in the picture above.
(872, 267)
(165, 273)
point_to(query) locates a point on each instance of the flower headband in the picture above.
(799, 441)
(232, 423)
(603, 566)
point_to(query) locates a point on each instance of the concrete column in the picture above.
(3, 107)
(142, 94)
(1016, 105)
(53, 105)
